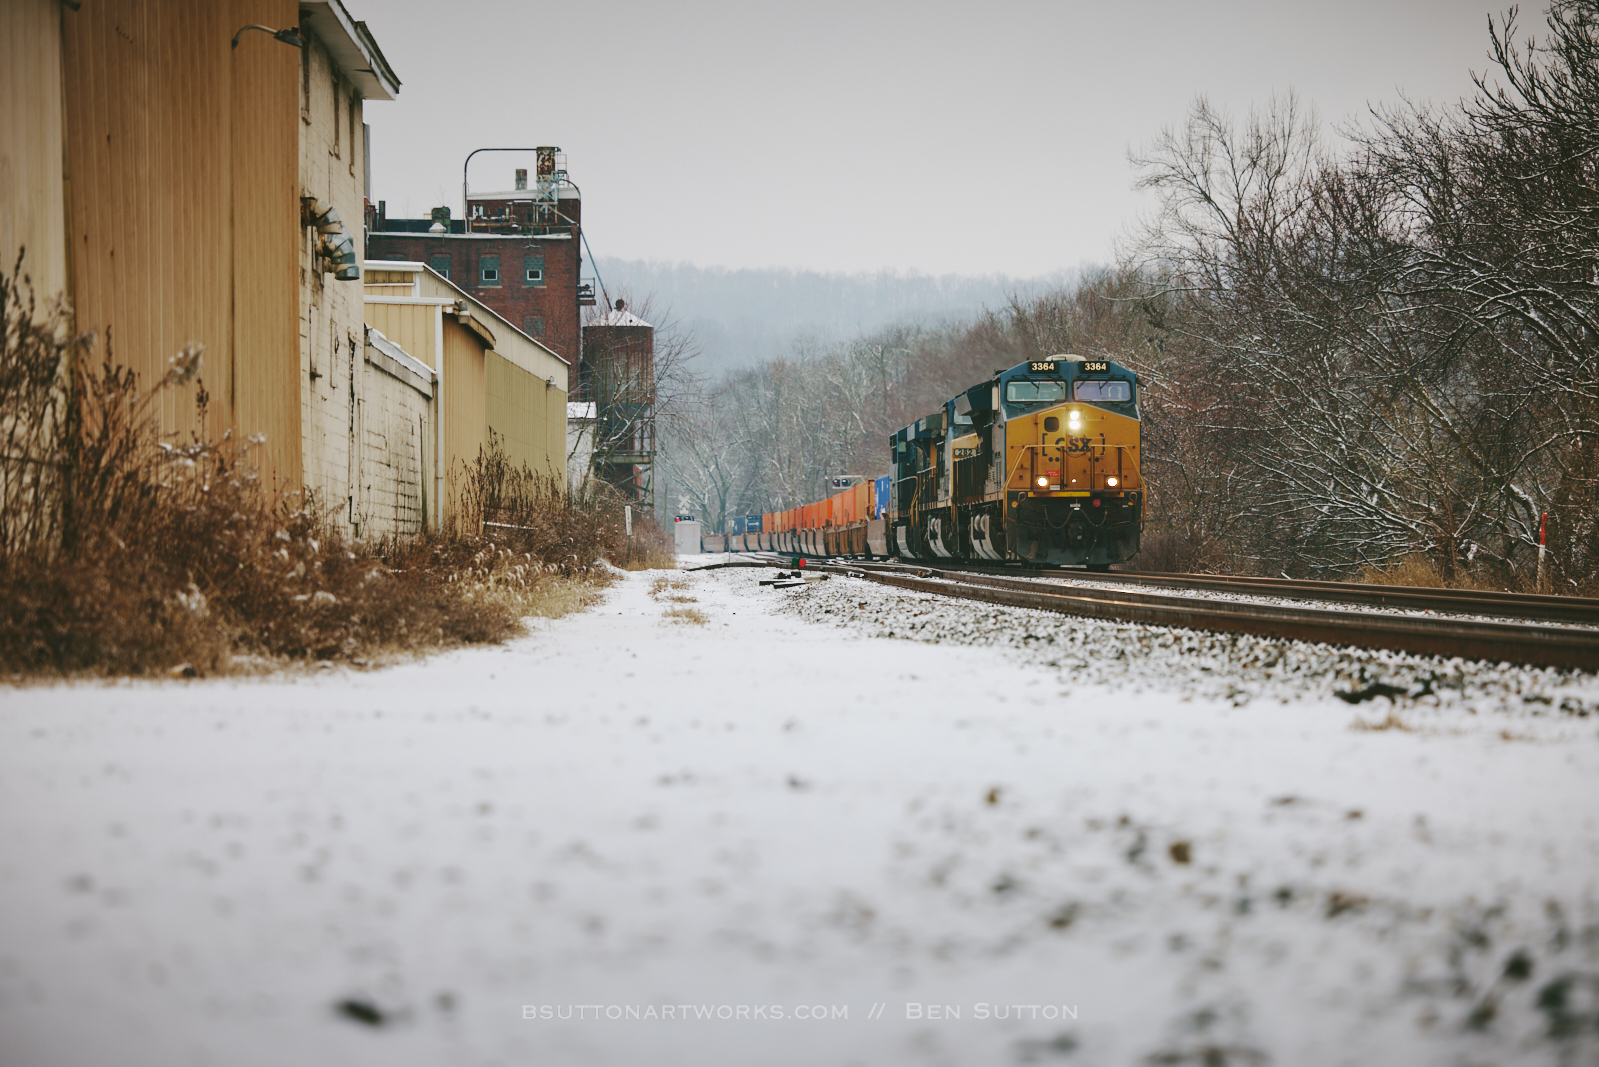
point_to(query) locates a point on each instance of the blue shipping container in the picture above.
(752, 524)
(880, 501)
(735, 525)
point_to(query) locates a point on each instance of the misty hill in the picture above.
(742, 317)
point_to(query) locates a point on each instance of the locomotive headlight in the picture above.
(1042, 481)
(1113, 482)
(1073, 416)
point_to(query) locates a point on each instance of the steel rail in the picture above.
(1570, 609)
(1583, 610)
(1511, 642)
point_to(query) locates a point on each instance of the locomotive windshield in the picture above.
(1025, 392)
(1103, 392)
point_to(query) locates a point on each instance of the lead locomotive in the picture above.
(1040, 464)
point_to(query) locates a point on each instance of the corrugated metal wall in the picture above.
(465, 414)
(266, 226)
(32, 211)
(182, 202)
(408, 325)
(520, 409)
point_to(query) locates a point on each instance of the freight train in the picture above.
(1039, 464)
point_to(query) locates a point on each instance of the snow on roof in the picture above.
(619, 318)
(579, 411)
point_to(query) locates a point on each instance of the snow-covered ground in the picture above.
(997, 836)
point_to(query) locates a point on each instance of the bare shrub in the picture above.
(126, 552)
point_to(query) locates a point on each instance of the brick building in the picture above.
(518, 251)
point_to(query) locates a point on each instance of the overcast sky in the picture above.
(937, 137)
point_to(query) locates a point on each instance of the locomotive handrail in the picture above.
(1012, 473)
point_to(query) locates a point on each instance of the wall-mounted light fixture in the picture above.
(290, 36)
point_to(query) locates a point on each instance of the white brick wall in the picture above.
(331, 320)
(393, 427)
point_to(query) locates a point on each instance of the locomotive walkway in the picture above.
(1501, 639)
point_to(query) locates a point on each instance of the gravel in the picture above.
(1412, 692)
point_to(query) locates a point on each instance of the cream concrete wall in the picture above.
(394, 426)
(332, 313)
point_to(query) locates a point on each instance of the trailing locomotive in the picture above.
(1040, 463)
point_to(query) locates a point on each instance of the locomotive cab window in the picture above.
(1103, 392)
(1025, 392)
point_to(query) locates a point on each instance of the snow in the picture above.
(784, 809)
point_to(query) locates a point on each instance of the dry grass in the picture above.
(672, 590)
(685, 615)
(1390, 722)
(126, 553)
(1419, 570)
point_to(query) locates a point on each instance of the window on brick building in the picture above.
(440, 264)
(488, 270)
(533, 270)
(533, 326)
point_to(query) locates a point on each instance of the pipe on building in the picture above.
(438, 417)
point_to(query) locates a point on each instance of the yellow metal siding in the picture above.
(180, 158)
(520, 411)
(408, 325)
(148, 149)
(32, 209)
(555, 424)
(465, 417)
(266, 219)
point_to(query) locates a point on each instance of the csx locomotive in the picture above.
(1038, 464)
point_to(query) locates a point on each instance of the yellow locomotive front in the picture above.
(1039, 464)
(1073, 491)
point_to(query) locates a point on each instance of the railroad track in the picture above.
(1509, 641)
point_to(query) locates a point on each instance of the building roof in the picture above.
(479, 310)
(580, 410)
(352, 47)
(565, 191)
(619, 318)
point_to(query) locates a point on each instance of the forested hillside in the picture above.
(1350, 358)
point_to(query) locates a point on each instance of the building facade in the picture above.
(179, 176)
(485, 379)
(341, 68)
(519, 251)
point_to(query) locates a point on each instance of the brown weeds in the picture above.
(126, 552)
(1419, 570)
(685, 615)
